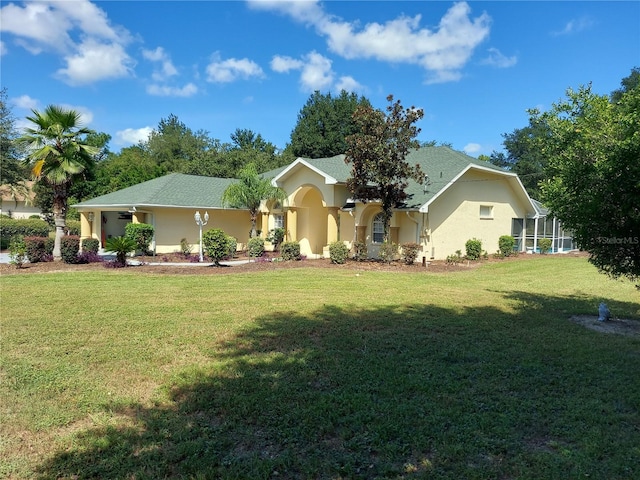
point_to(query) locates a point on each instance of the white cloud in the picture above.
(96, 61)
(282, 64)
(231, 69)
(26, 102)
(498, 59)
(316, 73)
(471, 148)
(131, 136)
(166, 91)
(55, 26)
(166, 70)
(349, 84)
(442, 51)
(575, 25)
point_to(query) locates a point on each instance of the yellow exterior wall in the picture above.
(454, 217)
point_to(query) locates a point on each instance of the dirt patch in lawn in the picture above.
(618, 326)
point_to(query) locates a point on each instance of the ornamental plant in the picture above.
(410, 252)
(290, 251)
(506, 244)
(121, 246)
(36, 249)
(338, 252)
(360, 251)
(69, 248)
(17, 251)
(474, 249)
(545, 245)
(141, 234)
(255, 247)
(388, 251)
(216, 245)
(91, 245)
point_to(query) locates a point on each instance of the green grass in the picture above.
(319, 373)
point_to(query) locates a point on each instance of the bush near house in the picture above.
(17, 251)
(141, 234)
(506, 243)
(39, 249)
(290, 251)
(360, 251)
(474, 249)
(338, 252)
(216, 244)
(276, 237)
(91, 245)
(121, 246)
(10, 227)
(410, 252)
(73, 227)
(69, 248)
(545, 245)
(255, 247)
(388, 252)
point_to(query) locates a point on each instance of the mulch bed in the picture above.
(170, 266)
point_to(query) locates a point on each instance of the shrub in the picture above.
(121, 246)
(506, 243)
(87, 256)
(290, 251)
(17, 251)
(69, 248)
(474, 249)
(36, 249)
(388, 251)
(255, 247)
(91, 245)
(233, 246)
(360, 253)
(338, 252)
(26, 228)
(73, 228)
(276, 237)
(216, 244)
(410, 252)
(545, 245)
(455, 258)
(185, 247)
(141, 234)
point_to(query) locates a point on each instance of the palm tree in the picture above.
(250, 191)
(57, 153)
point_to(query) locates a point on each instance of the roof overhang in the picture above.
(145, 206)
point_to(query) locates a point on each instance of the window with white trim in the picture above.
(486, 211)
(378, 228)
(278, 221)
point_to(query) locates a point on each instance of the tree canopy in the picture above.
(377, 154)
(324, 123)
(57, 154)
(593, 174)
(249, 192)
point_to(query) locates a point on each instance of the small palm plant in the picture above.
(121, 246)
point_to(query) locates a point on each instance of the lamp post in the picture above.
(200, 222)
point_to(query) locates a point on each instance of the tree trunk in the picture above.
(254, 231)
(59, 218)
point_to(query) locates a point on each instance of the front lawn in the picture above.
(319, 373)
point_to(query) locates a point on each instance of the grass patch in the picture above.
(311, 373)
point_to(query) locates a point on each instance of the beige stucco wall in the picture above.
(18, 209)
(454, 217)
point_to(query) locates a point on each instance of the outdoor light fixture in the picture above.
(200, 222)
(90, 217)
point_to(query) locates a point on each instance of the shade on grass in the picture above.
(476, 374)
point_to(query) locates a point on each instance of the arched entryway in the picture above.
(311, 221)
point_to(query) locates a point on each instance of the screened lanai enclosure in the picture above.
(529, 231)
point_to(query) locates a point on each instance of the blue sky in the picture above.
(474, 67)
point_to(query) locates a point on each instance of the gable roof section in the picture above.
(173, 190)
(332, 169)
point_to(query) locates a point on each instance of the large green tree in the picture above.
(249, 192)
(324, 123)
(12, 172)
(377, 154)
(593, 174)
(57, 153)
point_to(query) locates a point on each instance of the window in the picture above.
(486, 211)
(378, 228)
(278, 221)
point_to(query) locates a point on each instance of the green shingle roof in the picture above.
(174, 190)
